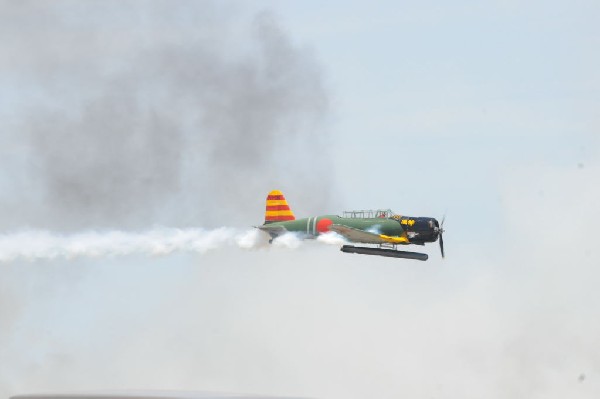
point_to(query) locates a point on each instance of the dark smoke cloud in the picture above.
(131, 113)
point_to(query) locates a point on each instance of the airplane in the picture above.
(382, 228)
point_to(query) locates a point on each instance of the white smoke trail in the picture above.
(37, 244)
(332, 238)
(288, 240)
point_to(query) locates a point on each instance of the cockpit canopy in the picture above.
(370, 214)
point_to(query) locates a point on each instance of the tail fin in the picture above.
(278, 209)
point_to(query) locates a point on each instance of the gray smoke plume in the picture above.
(129, 114)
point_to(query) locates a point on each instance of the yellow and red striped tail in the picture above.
(278, 209)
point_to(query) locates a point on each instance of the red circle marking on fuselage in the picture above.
(323, 225)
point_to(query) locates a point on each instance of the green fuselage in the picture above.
(418, 229)
(310, 226)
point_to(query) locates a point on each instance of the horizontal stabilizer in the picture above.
(272, 230)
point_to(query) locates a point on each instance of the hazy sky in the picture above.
(130, 115)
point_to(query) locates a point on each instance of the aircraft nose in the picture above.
(438, 228)
(435, 226)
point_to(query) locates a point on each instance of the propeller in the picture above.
(441, 231)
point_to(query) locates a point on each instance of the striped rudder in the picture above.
(278, 209)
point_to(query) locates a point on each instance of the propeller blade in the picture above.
(441, 230)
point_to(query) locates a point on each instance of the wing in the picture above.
(365, 237)
(273, 231)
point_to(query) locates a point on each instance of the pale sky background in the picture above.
(132, 115)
